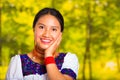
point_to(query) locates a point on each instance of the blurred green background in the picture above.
(92, 32)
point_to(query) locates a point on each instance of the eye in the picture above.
(54, 29)
(41, 27)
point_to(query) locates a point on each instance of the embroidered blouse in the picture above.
(23, 68)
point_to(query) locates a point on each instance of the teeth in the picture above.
(46, 40)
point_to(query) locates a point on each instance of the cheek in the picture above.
(56, 36)
(36, 35)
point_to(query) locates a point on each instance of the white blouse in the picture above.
(15, 68)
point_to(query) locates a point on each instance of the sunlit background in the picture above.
(92, 32)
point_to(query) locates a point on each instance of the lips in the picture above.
(45, 41)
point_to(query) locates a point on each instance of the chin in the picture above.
(44, 47)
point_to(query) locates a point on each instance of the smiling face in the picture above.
(46, 31)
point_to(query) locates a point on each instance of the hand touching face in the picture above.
(47, 32)
(51, 49)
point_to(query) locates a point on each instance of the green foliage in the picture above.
(3, 70)
(17, 34)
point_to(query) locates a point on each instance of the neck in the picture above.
(38, 51)
(37, 55)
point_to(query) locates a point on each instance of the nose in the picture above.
(46, 33)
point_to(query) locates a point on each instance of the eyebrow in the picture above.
(41, 24)
(45, 25)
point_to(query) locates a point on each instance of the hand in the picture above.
(51, 50)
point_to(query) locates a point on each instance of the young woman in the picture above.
(44, 62)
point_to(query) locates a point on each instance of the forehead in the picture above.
(48, 20)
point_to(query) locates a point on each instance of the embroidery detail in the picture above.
(30, 67)
(69, 72)
(60, 60)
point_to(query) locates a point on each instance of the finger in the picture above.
(59, 39)
(57, 42)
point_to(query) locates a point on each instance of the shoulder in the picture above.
(14, 69)
(68, 54)
(71, 56)
(15, 58)
(71, 61)
(68, 57)
(70, 64)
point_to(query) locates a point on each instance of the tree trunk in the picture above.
(0, 40)
(89, 28)
(84, 65)
(87, 54)
(118, 61)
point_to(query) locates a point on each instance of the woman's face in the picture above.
(46, 31)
